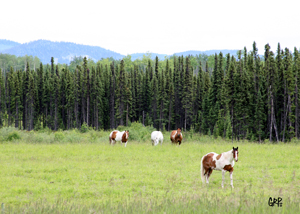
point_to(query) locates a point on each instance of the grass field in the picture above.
(73, 172)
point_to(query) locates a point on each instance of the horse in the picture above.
(176, 136)
(157, 137)
(119, 136)
(222, 162)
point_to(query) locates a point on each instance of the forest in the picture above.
(243, 96)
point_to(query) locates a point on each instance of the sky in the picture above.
(157, 26)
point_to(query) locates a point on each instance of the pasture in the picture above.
(73, 172)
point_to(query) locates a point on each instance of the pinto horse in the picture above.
(119, 136)
(222, 162)
(176, 136)
(157, 137)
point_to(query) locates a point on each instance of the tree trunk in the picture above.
(127, 115)
(17, 115)
(273, 120)
(284, 112)
(170, 115)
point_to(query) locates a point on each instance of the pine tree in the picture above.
(289, 91)
(272, 77)
(280, 85)
(112, 95)
(56, 97)
(40, 96)
(161, 100)
(2, 98)
(147, 88)
(296, 68)
(171, 100)
(120, 95)
(70, 98)
(154, 100)
(10, 95)
(188, 93)
(63, 96)
(128, 99)
(259, 110)
(30, 100)
(76, 98)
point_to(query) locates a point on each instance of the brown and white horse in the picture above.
(222, 162)
(176, 136)
(119, 136)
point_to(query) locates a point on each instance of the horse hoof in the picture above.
(232, 187)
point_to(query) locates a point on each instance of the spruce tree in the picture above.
(120, 95)
(188, 93)
(2, 98)
(154, 100)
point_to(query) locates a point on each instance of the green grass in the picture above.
(73, 172)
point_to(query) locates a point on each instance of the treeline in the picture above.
(8, 61)
(242, 97)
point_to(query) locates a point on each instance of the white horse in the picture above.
(222, 162)
(157, 137)
(119, 136)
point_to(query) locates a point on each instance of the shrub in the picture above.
(138, 132)
(13, 136)
(59, 136)
(84, 128)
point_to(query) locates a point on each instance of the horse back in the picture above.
(113, 134)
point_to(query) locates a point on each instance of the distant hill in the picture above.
(61, 51)
(64, 51)
(6, 44)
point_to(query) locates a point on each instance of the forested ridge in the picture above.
(243, 97)
(65, 52)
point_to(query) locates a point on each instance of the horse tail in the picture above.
(202, 170)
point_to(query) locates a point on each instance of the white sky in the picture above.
(165, 27)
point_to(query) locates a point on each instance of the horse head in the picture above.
(127, 134)
(235, 152)
(178, 132)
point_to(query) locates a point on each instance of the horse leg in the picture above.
(205, 174)
(179, 142)
(208, 175)
(223, 177)
(231, 179)
(126, 143)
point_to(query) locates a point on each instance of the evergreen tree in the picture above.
(154, 101)
(128, 99)
(296, 68)
(2, 98)
(162, 105)
(120, 95)
(188, 93)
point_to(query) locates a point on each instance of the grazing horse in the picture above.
(224, 162)
(176, 136)
(119, 136)
(157, 137)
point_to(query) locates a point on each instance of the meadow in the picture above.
(75, 172)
